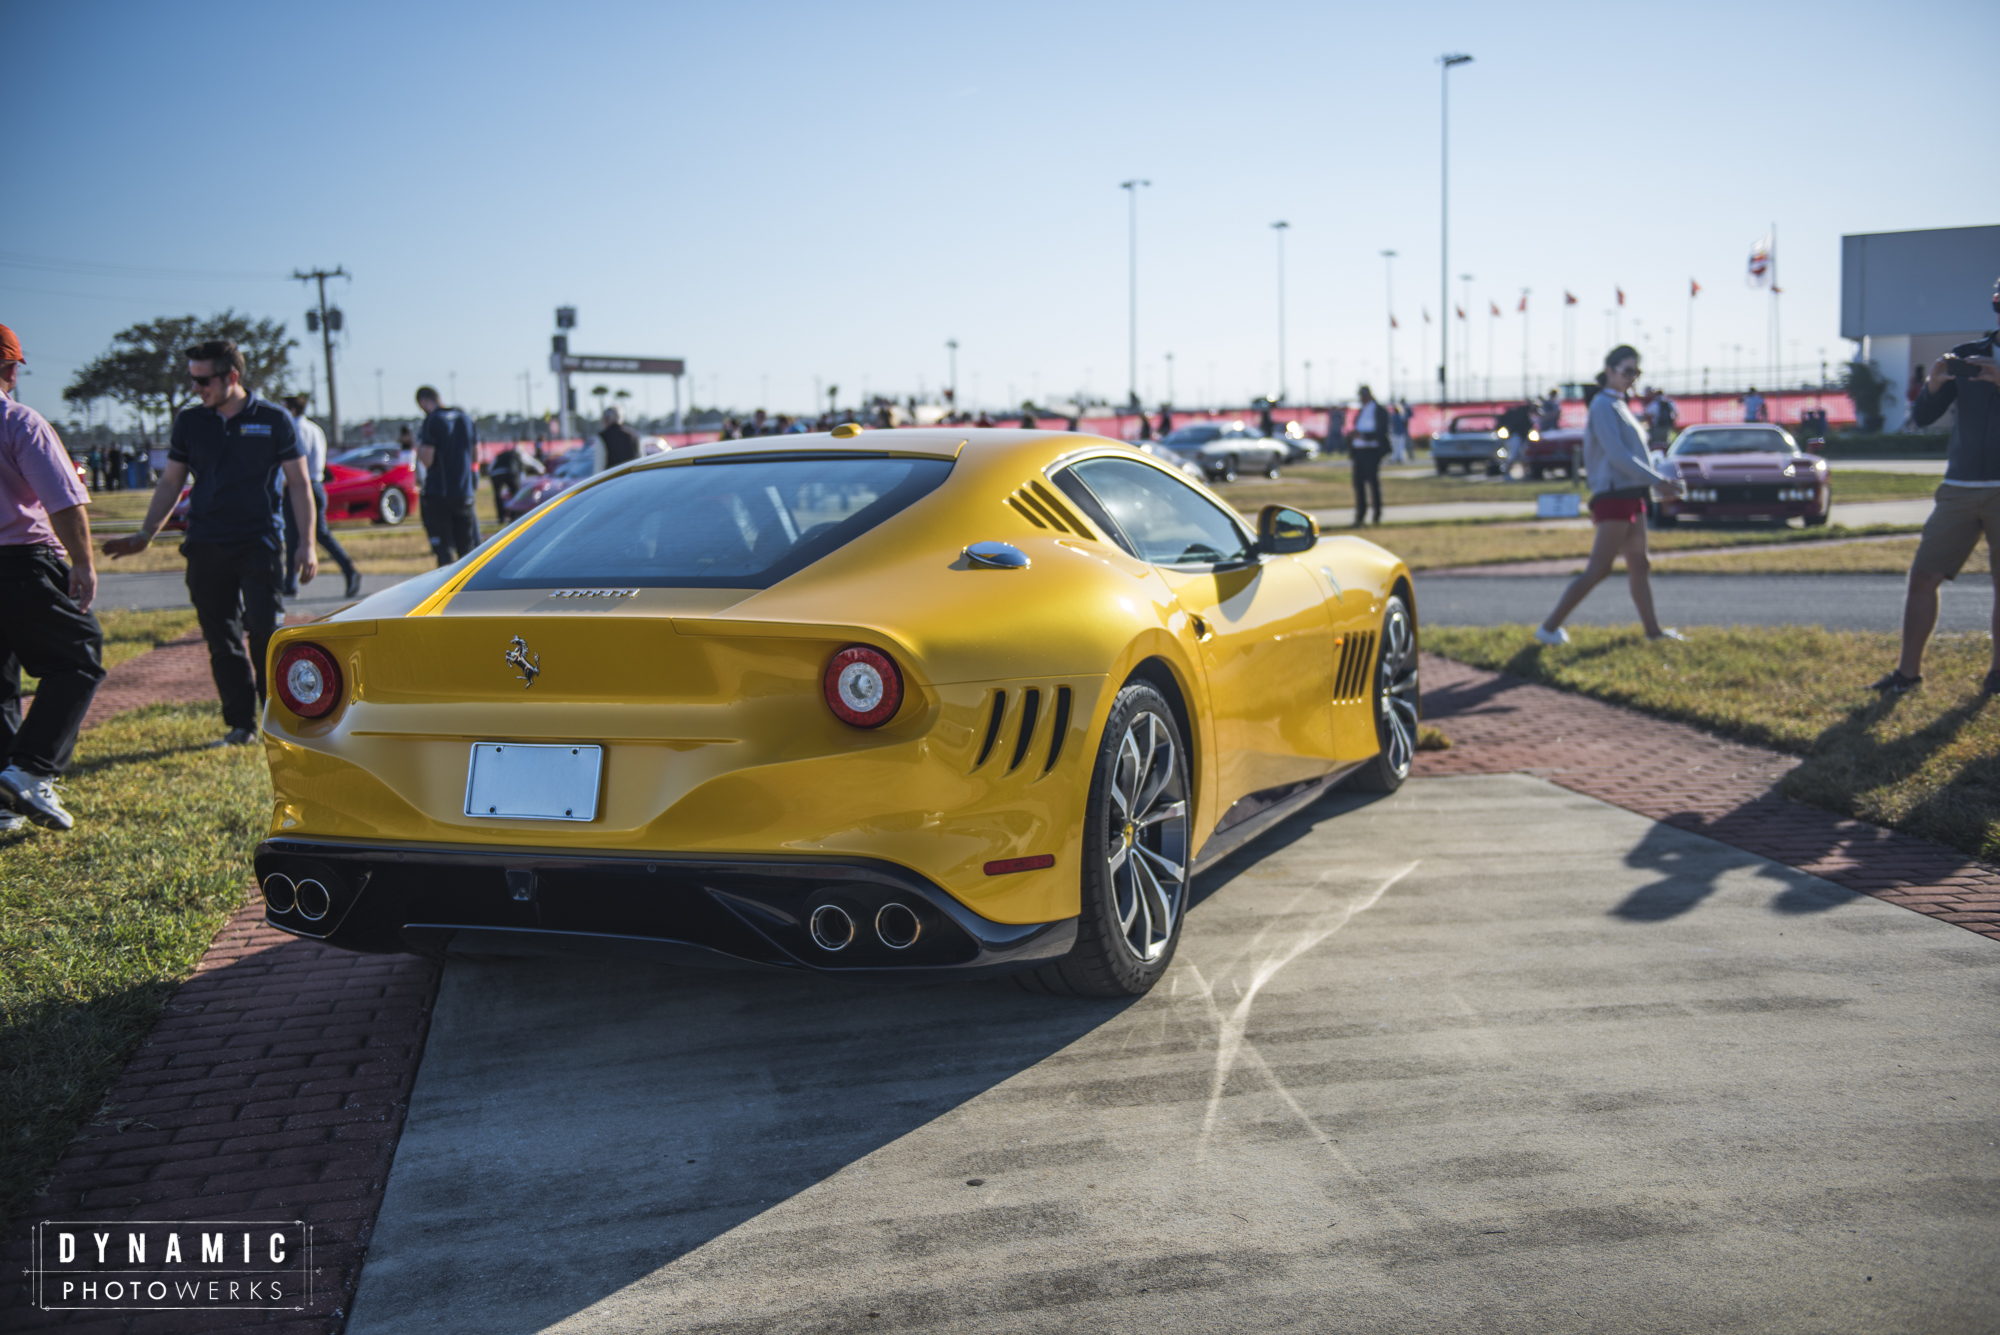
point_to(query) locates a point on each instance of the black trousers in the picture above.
(453, 527)
(504, 490)
(43, 630)
(1367, 480)
(320, 531)
(236, 587)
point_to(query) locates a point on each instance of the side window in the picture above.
(1164, 520)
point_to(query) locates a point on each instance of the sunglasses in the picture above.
(1629, 368)
(206, 380)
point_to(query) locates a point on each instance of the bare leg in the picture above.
(1604, 548)
(1920, 614)
(1638, 570)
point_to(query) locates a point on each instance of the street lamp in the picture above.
(1131, 188)
(1446, 63)
(1281, 228)
(1389, 286)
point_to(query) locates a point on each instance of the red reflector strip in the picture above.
(1005, 865)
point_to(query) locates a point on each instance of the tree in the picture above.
(1866, 387)
(146, 366)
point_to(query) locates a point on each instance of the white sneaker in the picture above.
(34, 797)
(1667, 633)
(9, 822)
(1551, 637)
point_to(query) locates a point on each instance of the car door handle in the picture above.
(1201, 628)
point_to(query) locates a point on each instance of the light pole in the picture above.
(1131, 188)
(1389, 288)
(1445, 65)
(1170, 377)
(952, 393)
(1281, 228)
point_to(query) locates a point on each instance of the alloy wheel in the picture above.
(1147, 828)
(1396, 693)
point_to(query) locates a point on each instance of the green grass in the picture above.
(1440, 546)
(98, 926)
(1927, 763)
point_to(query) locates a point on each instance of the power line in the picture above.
(14, 259)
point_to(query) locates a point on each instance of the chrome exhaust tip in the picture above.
(313, 900)
(897, 926)
(279, 892)
(831, 927)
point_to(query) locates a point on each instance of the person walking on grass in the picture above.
(1620, 473)
(235, 445)
(1367, 443)
(45, 620)
(1968, 501)
(312, 444)
(448, 449)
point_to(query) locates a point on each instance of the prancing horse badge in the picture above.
(530, 664)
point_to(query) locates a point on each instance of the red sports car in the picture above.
(368, 483)
(1744, 470)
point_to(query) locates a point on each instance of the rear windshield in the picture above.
(1474, 424)
(731, 524)
(1743, 440)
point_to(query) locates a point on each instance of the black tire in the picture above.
(1814, 521)
(1227, 473)
(1271, 470)
(1494, 469)
(392, 507)
(1443, 467)
(1135, 869)
(1534, 472)
(1397, 701)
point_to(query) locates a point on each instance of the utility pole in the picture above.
(327, 321)
(952, 393)
(1281, 228)
(1445, 65)
(1131, 188)
(1389, 289)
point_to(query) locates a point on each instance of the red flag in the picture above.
(1393, 324)
(1569, 298)
(1427, 313)
(1524, 303)
(1461, 312)
(1694, 288)
(1621, 295)
(1495, 305)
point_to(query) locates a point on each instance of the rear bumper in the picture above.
(729, 912)
(1743, 510)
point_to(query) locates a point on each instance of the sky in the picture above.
(799, 196)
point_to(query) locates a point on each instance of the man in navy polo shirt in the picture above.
(234, 444)
(448, 448)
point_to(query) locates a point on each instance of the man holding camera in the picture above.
(1968, 502)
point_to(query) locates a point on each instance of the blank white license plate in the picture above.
(529, 781)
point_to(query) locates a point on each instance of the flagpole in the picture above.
(1524, 342)
(1690, 330)
(1776, 325)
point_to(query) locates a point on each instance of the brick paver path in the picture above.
(1688, 779)
(275, 1085)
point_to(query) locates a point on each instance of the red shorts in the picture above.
(1605, 509)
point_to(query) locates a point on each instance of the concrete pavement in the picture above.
(1486, 1055)
(1838, 602)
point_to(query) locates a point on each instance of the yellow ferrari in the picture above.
(885, 704)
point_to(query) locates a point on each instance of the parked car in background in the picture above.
(1299, 447)
(1224, 450)
(370, 483)
(1740, 470)
(565, 473)
(1540, 452)
(1470, 440)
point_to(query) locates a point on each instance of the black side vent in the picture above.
(1040, 507)
(1059, 729)
(1031, 705)
(992, 727)
(1357, 656)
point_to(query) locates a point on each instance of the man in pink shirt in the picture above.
(45, 620)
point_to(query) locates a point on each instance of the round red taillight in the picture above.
(863, 686)
(308, 680)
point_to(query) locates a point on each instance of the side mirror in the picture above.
(1282, 530)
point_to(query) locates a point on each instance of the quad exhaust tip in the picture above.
(831, 927)
(313, 900)
(280, 893)
(897, 926)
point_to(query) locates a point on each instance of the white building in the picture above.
(1907, 297)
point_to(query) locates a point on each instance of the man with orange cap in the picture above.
(45, 620)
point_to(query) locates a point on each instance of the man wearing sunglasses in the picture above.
(235, 445)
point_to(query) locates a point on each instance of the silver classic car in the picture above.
(1224, 450)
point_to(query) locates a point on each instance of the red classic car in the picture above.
(1742, 470)
(373, 482)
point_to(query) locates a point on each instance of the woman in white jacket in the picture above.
(1620, 473)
